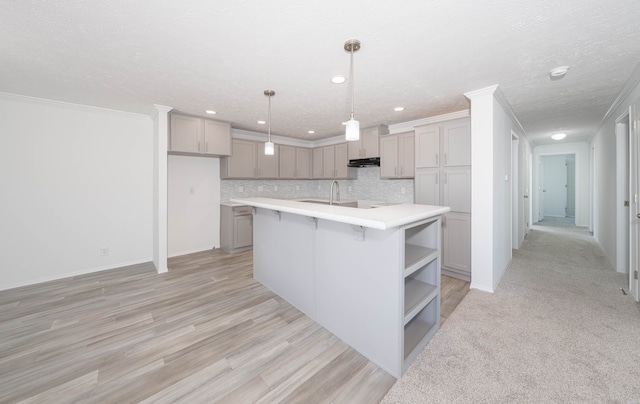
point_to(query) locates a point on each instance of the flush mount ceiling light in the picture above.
(558, 136)
(558, 72)
(338, 80)
(352, 131)
(269, 147)
(262, 122)
(210, 112)
(311, 132)
(398, 109)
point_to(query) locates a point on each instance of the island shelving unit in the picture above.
(369, 276)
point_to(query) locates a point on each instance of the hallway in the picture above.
(557, 329)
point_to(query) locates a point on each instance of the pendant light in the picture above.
(352, 131)
(269, 147)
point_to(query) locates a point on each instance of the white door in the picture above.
(634, 190)
(571, 186)
(555, 186)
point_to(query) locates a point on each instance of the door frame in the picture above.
(515, 191)
(623, 184)
(634, 183)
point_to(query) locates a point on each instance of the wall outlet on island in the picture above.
(403, 190)
(104, 251)
(240, 189)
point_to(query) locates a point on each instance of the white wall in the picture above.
(581, 151)
(502, 196)
(194, 204)
(604, 221)
(75, 179)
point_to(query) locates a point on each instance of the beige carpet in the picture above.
(558, 329)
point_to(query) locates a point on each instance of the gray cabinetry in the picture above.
(197, 136)
(249, 161)
(294, 162)
(331, 162)
(397, 156)
(443, 177)
(368, 144)
(236, 228)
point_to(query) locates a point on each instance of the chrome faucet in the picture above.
(334, 182)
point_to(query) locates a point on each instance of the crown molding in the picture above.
(626, 90)
(411, 125)
(68, 105)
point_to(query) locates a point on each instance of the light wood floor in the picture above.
(204, 332)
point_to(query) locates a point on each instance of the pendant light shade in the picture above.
(269, 147)
(352, 131)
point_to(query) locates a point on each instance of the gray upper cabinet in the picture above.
(331, 162)
(295, 162)
(242, 163)
(197, 136)
(397, 156)
(267, 165)
(368, 145)
(456, 143)
(249, 161)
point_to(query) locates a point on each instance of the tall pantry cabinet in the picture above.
(443, 177)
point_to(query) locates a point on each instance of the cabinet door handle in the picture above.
(437, 178)
(437, 159)
(206, 146)
(395, 170)
(445, 159)
(198, 146)
(444, 222)
(401, 170)
(364, 152)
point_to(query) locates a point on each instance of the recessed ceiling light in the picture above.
(558, 136)
(559, 71)
(398, 109)
(344, 123)
(210, 112)
(311, 132)
(262, 122)
(338, 80)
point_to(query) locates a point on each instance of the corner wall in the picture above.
(75, 180)
(604, 193)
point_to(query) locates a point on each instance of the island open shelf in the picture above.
(369, 276)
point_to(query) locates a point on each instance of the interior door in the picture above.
(571, 186)
(634, 189)
(541, 190)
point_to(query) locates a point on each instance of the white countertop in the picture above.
(383, 218)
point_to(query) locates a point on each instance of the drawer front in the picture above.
(241, 210)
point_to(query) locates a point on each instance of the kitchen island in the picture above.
(370, 276)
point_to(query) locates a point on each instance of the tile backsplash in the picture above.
(367, 186)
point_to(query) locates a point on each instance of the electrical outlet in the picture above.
(350, 189)
(275, 187)
(240, 189)
(260, 188)
(403, 190)
(319, 187)
(104, 251)
(297, 187)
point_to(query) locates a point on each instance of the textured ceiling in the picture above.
(198, 54)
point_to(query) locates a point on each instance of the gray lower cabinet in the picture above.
(236, 228)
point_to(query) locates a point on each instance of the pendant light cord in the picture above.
(352, 83)
(269, 127)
